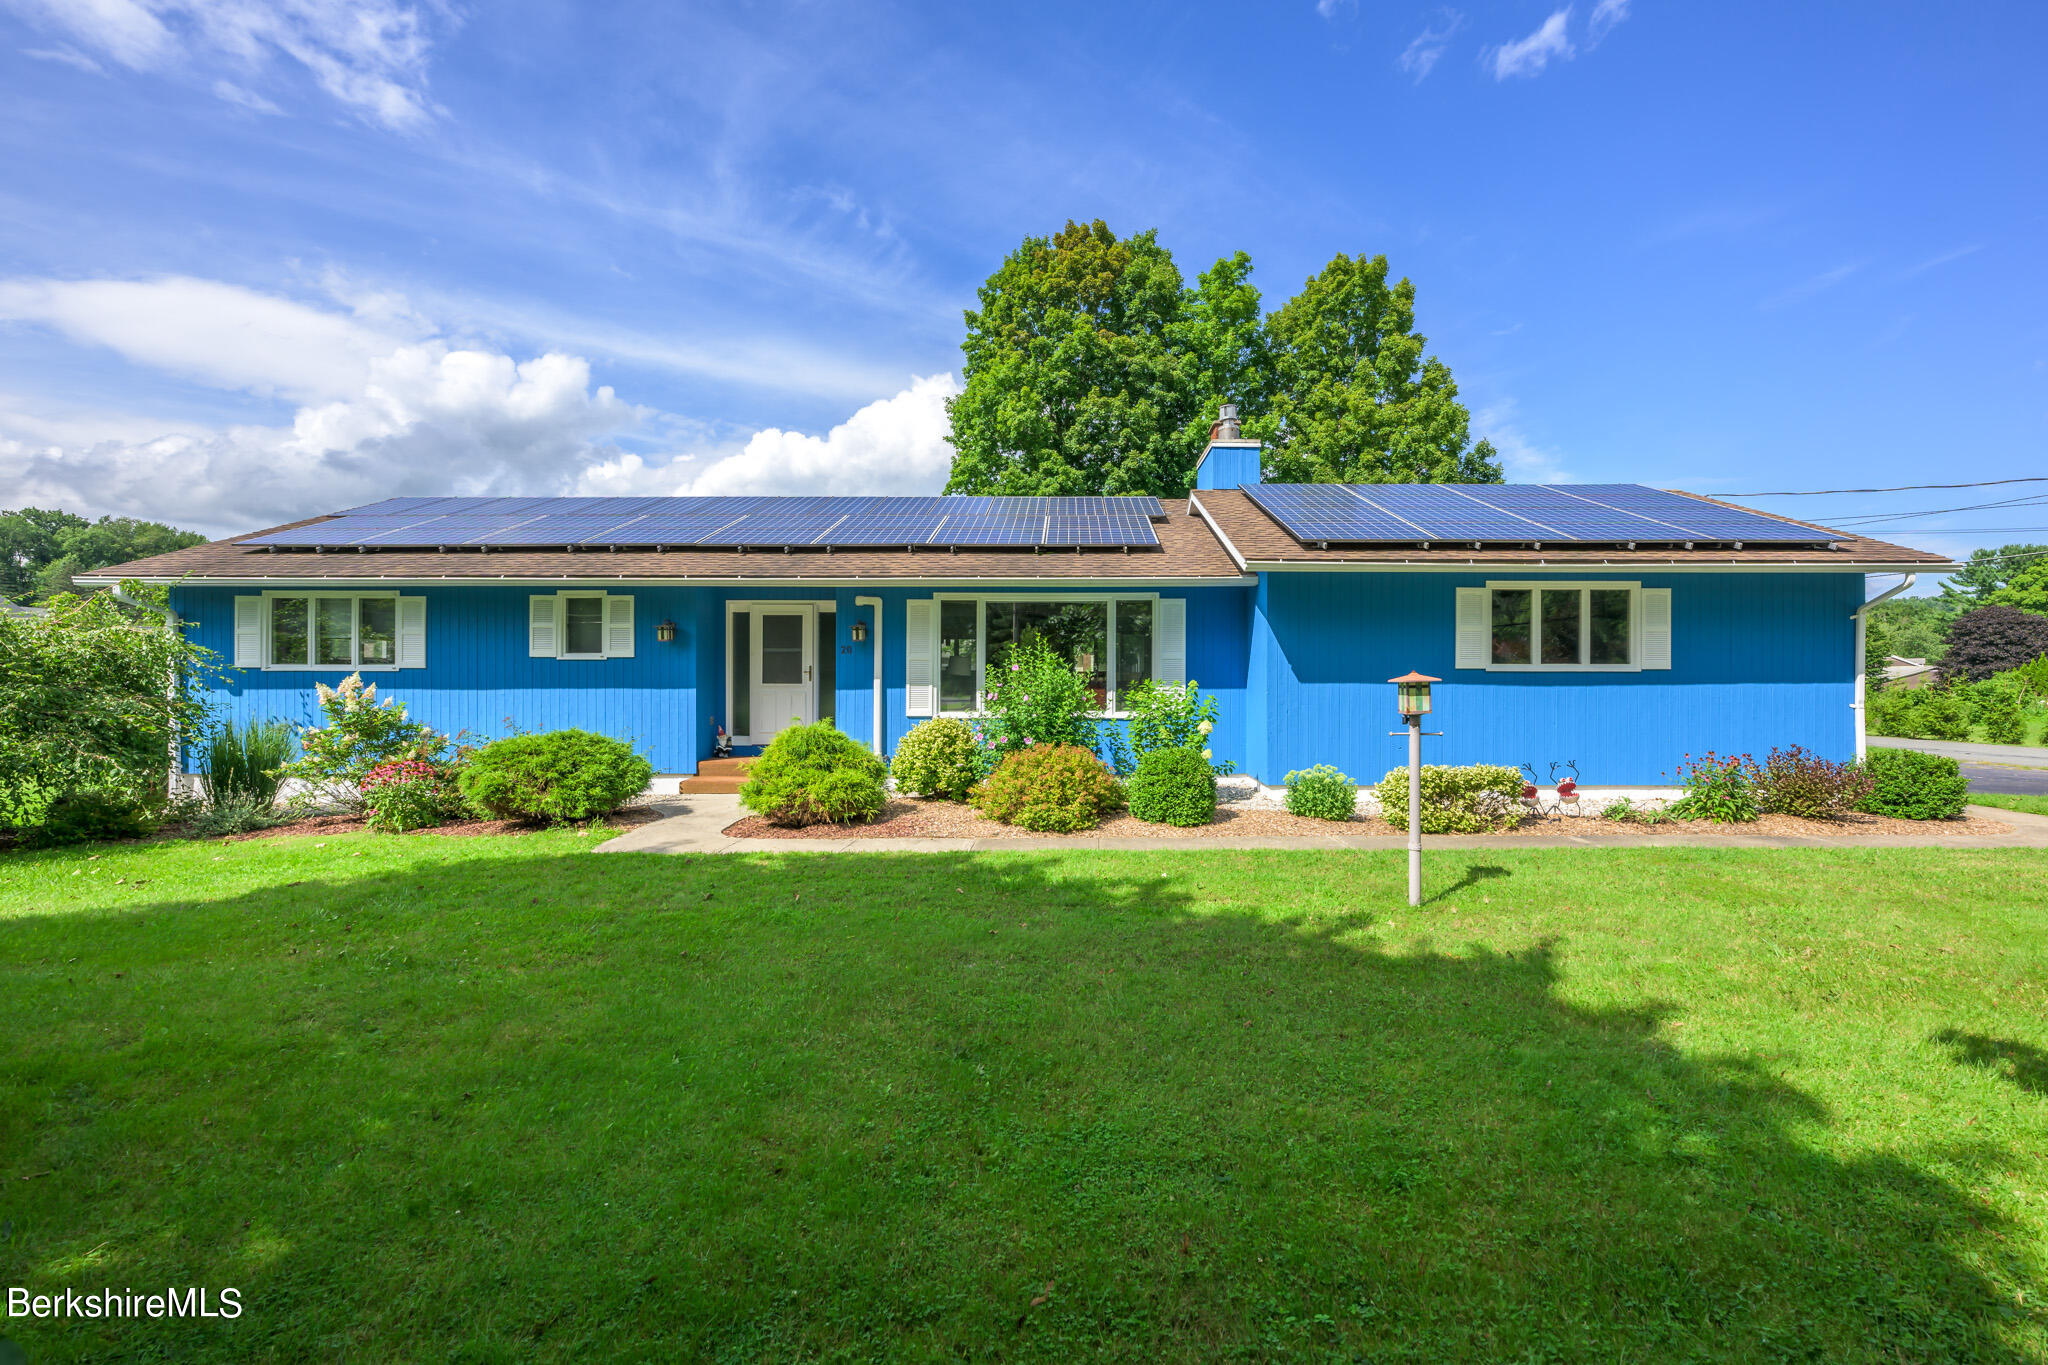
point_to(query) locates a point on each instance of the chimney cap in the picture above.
(1228, 412)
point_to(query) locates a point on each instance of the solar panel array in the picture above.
(1562, 514)
(489, 523)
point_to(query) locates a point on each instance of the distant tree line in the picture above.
(1093, 367)
(42, 549)
(2014, 577)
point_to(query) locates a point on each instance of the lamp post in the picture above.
(1411, 692)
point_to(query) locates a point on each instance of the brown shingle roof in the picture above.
(1187, 550)
(1260, 540)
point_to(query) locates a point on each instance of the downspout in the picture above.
(1862, 673)
(171, 624)
(876, 603)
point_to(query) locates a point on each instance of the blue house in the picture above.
(1618, 626)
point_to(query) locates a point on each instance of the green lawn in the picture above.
(2032, 805)
(498, 1099)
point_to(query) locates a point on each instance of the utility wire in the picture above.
(1902, 488)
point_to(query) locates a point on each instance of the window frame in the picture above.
(981, 601)
(355, 597)
(1584, 587)
(562, 597)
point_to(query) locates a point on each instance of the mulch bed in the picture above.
(910, 818)
(353, 824)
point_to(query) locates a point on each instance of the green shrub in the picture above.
(939, 758)
(1910, 785)
(245, 761)
(1623, 810)
(1174, 787)
(1894, 711)
(235, 813)
(1054, 788)
(1484, 796)
(559, 775)
(1796, 781)
(1942, 716)
(409, 794)
(2032, 677)
(1717, 789)
(1995, 705)
(1035, 695)
(1165, 715)
(1323, 793)
(814, 775)
(90, 815)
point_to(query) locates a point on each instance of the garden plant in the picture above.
(1716, 788)
(1467, 800)
(409, 794)
(359, 733)
(1052, 788)
(1035, 696)
(1173, 786)
(939, 758)
(555, 776)
(1323, 793)
(1909, 785)
(815, 775)
(1163, 715)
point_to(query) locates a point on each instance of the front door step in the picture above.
(717, 776)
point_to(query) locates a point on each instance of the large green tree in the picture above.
(1985, 572)
(1093, 367)
(40, 549)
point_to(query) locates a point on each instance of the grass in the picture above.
(495, 1099)
(2020, 801)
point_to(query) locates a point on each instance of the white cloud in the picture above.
(216, 333)
(65, 55)
(1528, 56)
(896, 445)
(371, 55)
(248, 99)
(1605, 16)
(1521, 460)
(1419, 58)
(1943, 259)
(1807, 288)
(1330, 9)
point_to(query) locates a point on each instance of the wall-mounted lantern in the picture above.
(665, 632)
(859, 631)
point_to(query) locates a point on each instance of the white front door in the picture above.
(784, 665)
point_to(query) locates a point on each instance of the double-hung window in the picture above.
(580, 624)
(1564, 627)
(1116, 642)
(330, 630)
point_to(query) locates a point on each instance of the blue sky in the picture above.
(259, 261)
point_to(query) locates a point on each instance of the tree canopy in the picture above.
(1987, 571)
(1092, 367)
(41, 548)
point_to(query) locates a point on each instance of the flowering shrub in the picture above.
(1797, 781)
(939, 758)
(1054, 788)
(1323, 793)
(1165, 716)
(407, 794)
(1174, 786)
(1469, 800)
(1035, 697)
(1716, 788)
(360, 733)
(814, 775)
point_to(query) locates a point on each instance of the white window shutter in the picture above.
(412, 632)
(1170, 640)
(618, 626)
(1475, 628)
(1653, 650)
(541, 630)
(920, 679)
(248, 632)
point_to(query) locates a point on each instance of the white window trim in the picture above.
(355, 629)
(982, 600)
(1635, 625)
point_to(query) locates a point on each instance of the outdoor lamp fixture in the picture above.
(665, 632)
(859, 631)
(1411, 691)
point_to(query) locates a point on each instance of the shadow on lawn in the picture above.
(923, 1107)
(2025, 1065)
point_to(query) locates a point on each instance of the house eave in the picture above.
(676, 580)
(1636, 564)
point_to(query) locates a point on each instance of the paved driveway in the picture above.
(1990, 777)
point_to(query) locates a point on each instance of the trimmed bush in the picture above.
(814, 775)
(1323, 793)
(939, 758)
(1910, 785)
(1796, 781)
(1470, 800)
(559, 775)
(1052, 788)
(1174, 787)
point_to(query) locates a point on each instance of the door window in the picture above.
(782, 650)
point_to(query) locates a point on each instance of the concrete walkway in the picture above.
(2011, 755)
(697, 821)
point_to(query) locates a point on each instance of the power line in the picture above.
(1902, 488)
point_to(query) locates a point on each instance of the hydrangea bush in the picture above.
(1165, 715)
(359, 734)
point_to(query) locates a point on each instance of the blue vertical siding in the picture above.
(1757, 660)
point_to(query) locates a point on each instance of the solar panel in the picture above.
(1513, 513)
(1443, 512)
(1327, 511)
(1704, 520)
